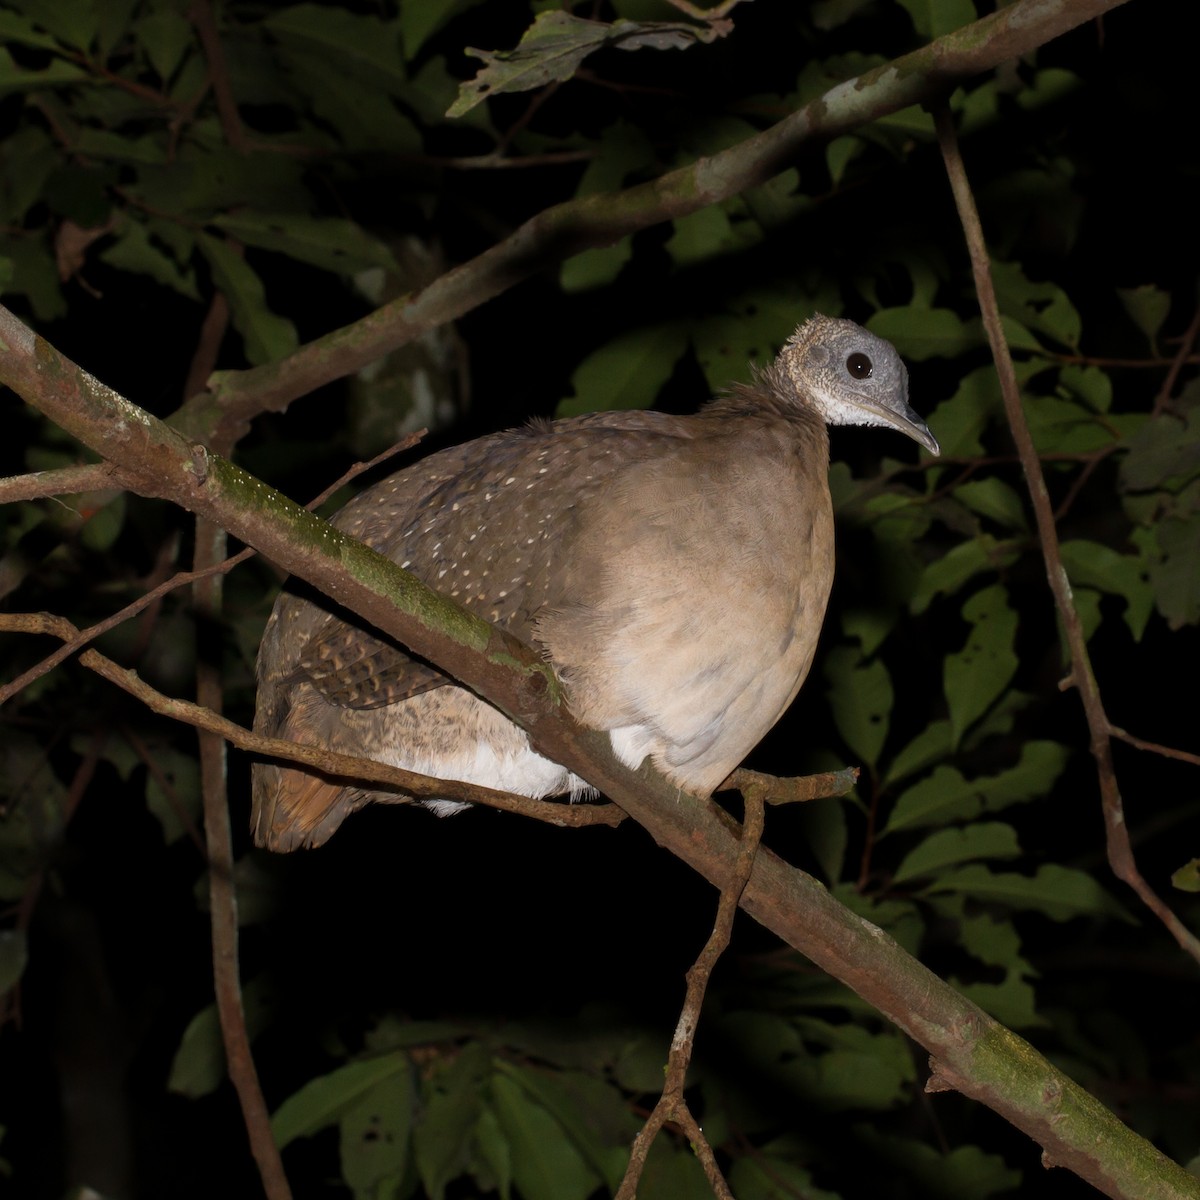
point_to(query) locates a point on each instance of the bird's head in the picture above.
(852, 377)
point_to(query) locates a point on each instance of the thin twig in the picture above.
(200, 14)
(710, 16)
(208, 346)
(337, 766)
(1154, 747)
(1120, 851)
(671, 1105)
(222, 891)
(81, 638)
(1181, 359)
(62, 481)
(796, 790)
(10, 1002)
(138, 745)
(1080, 480)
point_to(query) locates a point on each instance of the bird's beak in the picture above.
(909, 423)
(905, 420)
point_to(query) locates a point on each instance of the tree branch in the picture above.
(64, 481)
(345, 767)
(672, 1106)
(221, 415)
(1120, 850)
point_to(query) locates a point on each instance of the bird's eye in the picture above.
(859, 365)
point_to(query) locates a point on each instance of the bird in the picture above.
(674, 571)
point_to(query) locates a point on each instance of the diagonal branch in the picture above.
(672, 1105)
(407, 784)
(220, 416)
(1082, 677)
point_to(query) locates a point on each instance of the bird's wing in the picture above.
(488, 524)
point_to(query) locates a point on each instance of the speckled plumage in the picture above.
(674, 569)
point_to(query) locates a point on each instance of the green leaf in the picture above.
(596, 267)
(15, 27)
(134, 250)
(622, 150)
(674, 1171)
(825, 833)
(331, 243)
(198, 1067)
(955, 569)
(628, 372)
(1061, 426)
(28, 161)
(906, 124)
(550, 51)
(266, 336)
(995, 943)
(492, 1169)
(1049, 85)
(861, 699)
(946, 795)
(1089, 384)
(862, 1079)
(1186, 878)
(1043, 307)
(1163, 453)
(965, 1173)
(922, 333)
(1173, 571)
(585, 1107)
(14, 954)
(165, 35)
(33, 810)
(546, 1163)
(976, 675)
(1148, 307)
(931, 745)
(452, 1096)
(994, 499)
(74, 22)
(900, 918)
(753, 325)
(766, 1176)
(702, 235)
(357, 43)
(55, 73)
(869, 626)
(933, 18)
(419, 22)
(1061, 893)
(552, 48)
(947, 847)
(103, 524)
(961, 420)
(840, 153)
(1092, 565)
(1087, 609)
(374, 1135)
(364, 116)
(173, 791)
(325, 1100)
